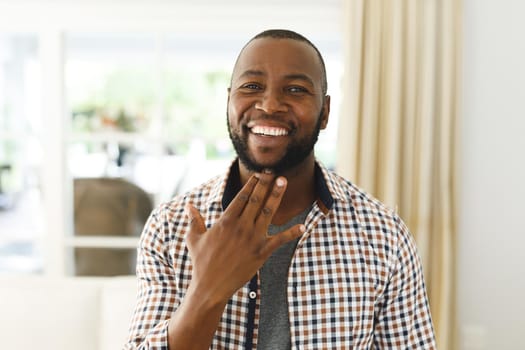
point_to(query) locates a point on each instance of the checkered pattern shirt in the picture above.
(355, 280)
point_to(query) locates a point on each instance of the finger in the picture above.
(272, 202)
(275, 241)
(238, 203)
(258, 197)
(197, 224)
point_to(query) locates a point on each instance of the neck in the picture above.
(300, 191)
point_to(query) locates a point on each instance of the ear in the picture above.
(325, 112)
(228, 100)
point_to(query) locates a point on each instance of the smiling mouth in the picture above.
(268, 131)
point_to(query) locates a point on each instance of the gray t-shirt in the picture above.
(274, 324)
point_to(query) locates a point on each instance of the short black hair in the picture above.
(289, 34)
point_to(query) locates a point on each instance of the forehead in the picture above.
(280, 57)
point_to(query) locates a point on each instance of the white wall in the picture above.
(491, 282)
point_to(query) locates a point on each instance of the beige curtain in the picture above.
(397, 132)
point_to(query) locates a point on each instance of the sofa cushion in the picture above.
(41, 313)
(116, 307)
(65, 313)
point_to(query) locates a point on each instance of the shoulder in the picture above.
(201, 197)
(356, 200)
(367, 214)
(168, 220)
(163, 236)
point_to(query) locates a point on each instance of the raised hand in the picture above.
(227, 255)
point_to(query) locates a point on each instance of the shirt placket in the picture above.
(252, 324)
(297, 332)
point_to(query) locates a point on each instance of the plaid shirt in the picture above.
(355, 280)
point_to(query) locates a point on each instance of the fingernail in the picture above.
(267, 171)
(280, 182)
(302, 228)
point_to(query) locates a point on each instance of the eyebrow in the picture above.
(300, 76)
(293, 76)
(251, 73)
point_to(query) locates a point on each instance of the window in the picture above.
(21, 157)
(139, 133)
(103, 117)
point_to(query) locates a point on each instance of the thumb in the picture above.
(196, 221)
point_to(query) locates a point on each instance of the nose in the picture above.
(271, 102)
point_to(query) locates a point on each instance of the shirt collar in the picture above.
(328, 186)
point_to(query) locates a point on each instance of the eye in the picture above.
(251, 86)
(297, 89)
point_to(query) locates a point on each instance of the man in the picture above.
(278, 253)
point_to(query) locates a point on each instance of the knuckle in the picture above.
(254, 199)
(275, 193)
(243, 197)
(280, 239)
(261, 252)
(225, 222)
(193, 223)
(190, 239)
(264, 181)
(267, 211)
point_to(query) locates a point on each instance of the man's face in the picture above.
(276, 106)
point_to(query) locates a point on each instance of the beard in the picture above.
(296, 152)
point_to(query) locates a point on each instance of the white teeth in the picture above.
(269, 131)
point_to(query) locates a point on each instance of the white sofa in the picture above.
(66, 313)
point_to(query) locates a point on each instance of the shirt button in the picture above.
(253, 295)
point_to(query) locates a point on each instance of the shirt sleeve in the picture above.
(156, 298)
(404, 320)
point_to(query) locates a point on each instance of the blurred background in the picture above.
(108, 109)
